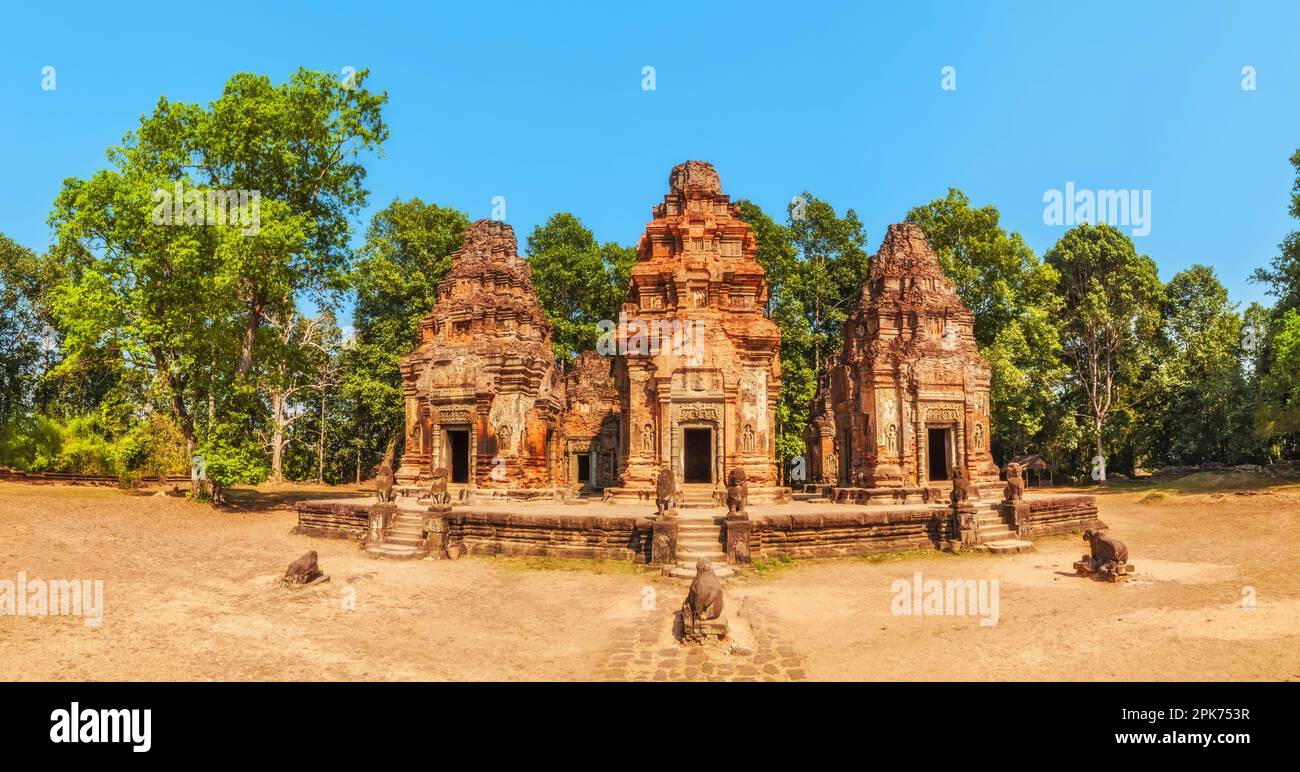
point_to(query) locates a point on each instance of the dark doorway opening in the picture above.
(458, 451)
(939, 442)
(584, 468)
(697, 465)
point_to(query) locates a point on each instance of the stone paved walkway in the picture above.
(647, 650)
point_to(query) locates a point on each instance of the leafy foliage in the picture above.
(1111, 301)
(1012, 294)
(579, 282)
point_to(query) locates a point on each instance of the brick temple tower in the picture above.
(483, 394)
(698, 371)
(911, 395)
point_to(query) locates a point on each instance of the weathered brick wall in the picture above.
(1064, 513)
(587, 537)
(334, 520)
(874, 530)
(837, 535)
(856, 531)
(498, 533)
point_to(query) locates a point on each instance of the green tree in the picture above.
(1277, 418)
(831, 269)
(1202, 387)
(579, 282)
(1012, 294)
(150, 284)
(20, 347)
(779, 258)
(299, 143)
(1277, 366)
(407, 253)
(1111, 302)
(1283, 274)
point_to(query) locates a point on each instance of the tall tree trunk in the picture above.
(277, 438)
(1101, 454)
(176, 387)
(255, 309)
(320, 444)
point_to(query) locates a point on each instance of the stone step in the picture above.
(393, 551)
(688, 558)
(687, 571)
(699, 547)
(1008, 546)
(996, 535)
(709, 532)
(698, 523)
(699, 536)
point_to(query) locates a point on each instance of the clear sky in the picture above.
(542, 103)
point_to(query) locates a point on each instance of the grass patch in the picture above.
(920, 554)
(769, 566)
(1152, 497)
(1227, 480)
(569, 564)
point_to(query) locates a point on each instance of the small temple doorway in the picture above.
(939, 454)
(584, 468)
(458, 454)
(697, 455)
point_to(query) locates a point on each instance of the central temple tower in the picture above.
(698, 371)
(910, 395)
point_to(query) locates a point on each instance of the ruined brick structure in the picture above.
(691, 383)
(482, 390)
(911, 394)
(699, 372)
(821, 458)
(591, 424)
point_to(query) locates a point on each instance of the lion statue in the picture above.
(665, 492)
(304, 570)
(1015, 490)
(438, 488)
(737, 492)
(961, 487)
(384, 484)
(704, 601)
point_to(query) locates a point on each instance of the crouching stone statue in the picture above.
(666, 494)
(1107, 557)
(701, 613)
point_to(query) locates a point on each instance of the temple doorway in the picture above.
(697, 455)
(584, 468)
(939, 453)
(458, 454)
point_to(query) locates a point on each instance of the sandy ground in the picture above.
(191, 594)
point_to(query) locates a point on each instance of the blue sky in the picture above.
(542, 103)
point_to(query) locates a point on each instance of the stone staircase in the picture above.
(996, 534)
(696, 496)
(403, 540)
(699, 535)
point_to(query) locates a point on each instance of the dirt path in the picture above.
(190, 593)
